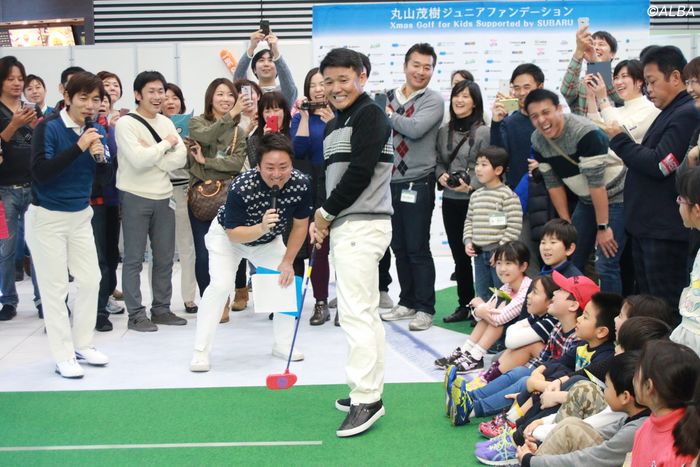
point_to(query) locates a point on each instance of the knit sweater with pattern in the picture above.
(416, 120)
(483, 226)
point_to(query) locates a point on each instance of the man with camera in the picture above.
(415, 113)
(267, 64)
(149, 148)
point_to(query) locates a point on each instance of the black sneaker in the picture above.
(343, 405)
(443, 362)
(103, 323)
(360, 419)
(461, 313)
(7, 312)
(468, 363)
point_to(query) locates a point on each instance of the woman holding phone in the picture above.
(217, 153)
(307, 131)
(273, 117)
(637, 113)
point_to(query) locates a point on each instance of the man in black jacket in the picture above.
(659, 240)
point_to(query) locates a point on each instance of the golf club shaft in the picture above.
(301, 306)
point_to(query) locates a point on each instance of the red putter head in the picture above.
(281, 380)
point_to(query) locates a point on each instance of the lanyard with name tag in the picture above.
(409, 195)
(497, 219)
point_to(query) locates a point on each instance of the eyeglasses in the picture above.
(691, 82)
(680, 201)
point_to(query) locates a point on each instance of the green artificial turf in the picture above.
(415, 430)
(445, 304)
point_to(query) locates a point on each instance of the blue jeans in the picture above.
(16, 201)
(201, 254)
(411, 244)
(491, 399)
(608, 269)
(485, 275)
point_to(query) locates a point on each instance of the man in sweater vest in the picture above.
(149, 148)
(572, 151)
(415, 113)
(358, 153)
(659, 240)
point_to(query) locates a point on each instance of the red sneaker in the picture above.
(496, 427)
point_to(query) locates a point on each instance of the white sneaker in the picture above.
(70, 369)
(421, 322)
(385, 300)
(397, 313)
(284, 355)
(91, 356)
(200, 362)
(113, 307)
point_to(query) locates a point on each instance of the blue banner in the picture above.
(452, 17)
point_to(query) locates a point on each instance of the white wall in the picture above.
(191, 65)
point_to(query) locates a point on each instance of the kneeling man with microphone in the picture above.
(260, 205)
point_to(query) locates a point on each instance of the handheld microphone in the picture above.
(274, 194)
(88, 123)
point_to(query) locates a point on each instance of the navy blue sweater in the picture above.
(62, 174)
(513, 134)
(650, 194)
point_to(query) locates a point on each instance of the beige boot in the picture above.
(224, 315)
(240, 300)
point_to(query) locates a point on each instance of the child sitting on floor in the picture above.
(511, 261)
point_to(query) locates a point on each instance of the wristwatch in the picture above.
(603, 227)
(326, 215)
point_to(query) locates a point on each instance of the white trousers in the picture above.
(357, 246)
(224, 257)
(63, 242)
(184, 244)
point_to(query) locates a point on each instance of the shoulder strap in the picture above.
(561, 151)
(453, 155)
(155, 135)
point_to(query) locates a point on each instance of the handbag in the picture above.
(206, 197)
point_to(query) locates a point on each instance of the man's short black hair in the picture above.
(562, 230)
(541, 95)
(607, 37)
(342, 58)
(274, 142)
(71, 70)
(366, 63)
(667, 58)
(29, 78)
(497, 157)
(607, 306)
(6, 64)
(86, 82)
(422, 48)
(145, 77)
(528, 69)
(256, 58)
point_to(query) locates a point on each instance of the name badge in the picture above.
(409, 195)
(497, 219)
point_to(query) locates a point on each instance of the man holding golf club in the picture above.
(359, 159)
(261, 204)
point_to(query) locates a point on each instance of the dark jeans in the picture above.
(99, 231)
(15, 201)
(113, 226)
(384, 274)
(454, 212)
(608, 269)
(411, 244)
(201, 255)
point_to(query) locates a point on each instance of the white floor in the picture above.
(241, 355)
